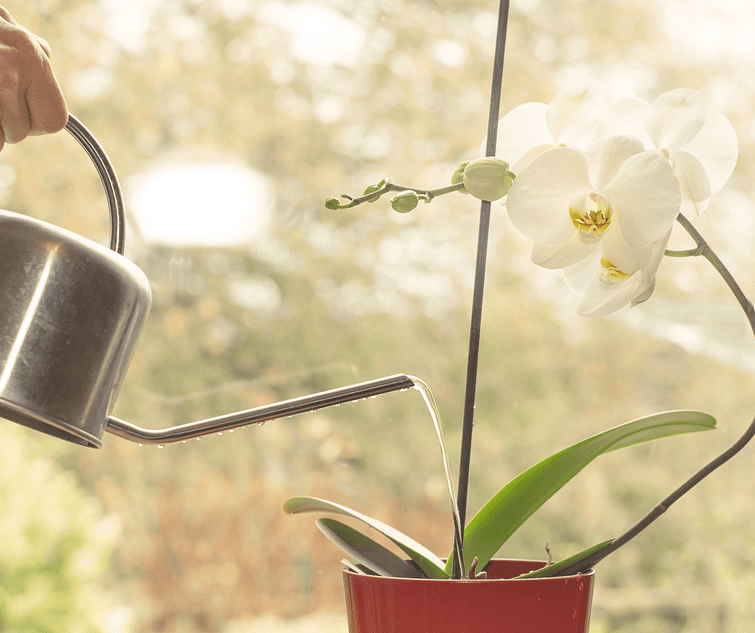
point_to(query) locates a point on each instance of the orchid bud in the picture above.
(405, 201)
(488, 178)
(376, 187)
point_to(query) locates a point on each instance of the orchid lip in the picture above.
(591, 215)
(611, 276)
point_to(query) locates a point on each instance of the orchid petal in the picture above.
(519, 130)
(571, 113)
(538, 201)
(626, 116)
(646, 197)
(528, 156)
(605, 158)
(715, 146)
(619, 252)
(599, 298)
(613, 299)
(556, 256)
(578, 276)
(650, 258)
(613, 247)
(644, 295)
(693, 180)
(675, 118)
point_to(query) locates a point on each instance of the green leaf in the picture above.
(429, 563)
(364, 550)
(552, 570)
(517, 501)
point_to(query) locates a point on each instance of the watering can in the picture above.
(73, 313)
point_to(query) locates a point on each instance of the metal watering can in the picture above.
(73, 313)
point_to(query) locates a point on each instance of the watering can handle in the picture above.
(109, 181)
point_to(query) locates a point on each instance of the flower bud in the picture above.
(332, 203)
(405, 201)
(488, 178)
(376, 187)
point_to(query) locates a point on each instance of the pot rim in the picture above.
(588, 574)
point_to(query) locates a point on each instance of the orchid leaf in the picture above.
(517, 501)
(364, 550)
(552, 570)
(429, 563)
(356, 568)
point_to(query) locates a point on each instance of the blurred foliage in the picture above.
(57, 542)
(326, 299)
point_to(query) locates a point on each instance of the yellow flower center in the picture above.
(611, 275)
(591, 215)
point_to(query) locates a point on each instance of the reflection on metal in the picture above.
(14, 353)
(262, 414)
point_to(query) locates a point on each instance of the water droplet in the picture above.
(140, 444)
(161, 446)
(231, 430)
(199, 438)
(220, 432)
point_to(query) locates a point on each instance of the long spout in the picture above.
(261, 414)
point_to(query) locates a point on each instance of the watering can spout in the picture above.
(259, 415)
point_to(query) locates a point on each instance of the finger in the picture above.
(31, 101)
(46, 105)
(15, 121)
(5, 15)
(44, 46)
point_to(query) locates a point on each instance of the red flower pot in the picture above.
(500, 603)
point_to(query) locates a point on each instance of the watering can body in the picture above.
(72, 315)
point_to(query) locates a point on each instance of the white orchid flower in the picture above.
(568, 202)
(699, 142)
(532, 128)
(614, 276)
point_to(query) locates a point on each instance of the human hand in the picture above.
(31, 102)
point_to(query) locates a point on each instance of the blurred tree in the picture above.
(57, 542)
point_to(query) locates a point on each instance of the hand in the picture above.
(31, 102)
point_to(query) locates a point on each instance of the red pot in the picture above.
(500, 603)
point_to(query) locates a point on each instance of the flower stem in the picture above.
(707, 252)
(479, 285)
(427, 194)
(704, 250)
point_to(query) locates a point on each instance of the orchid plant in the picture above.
(598, 188)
